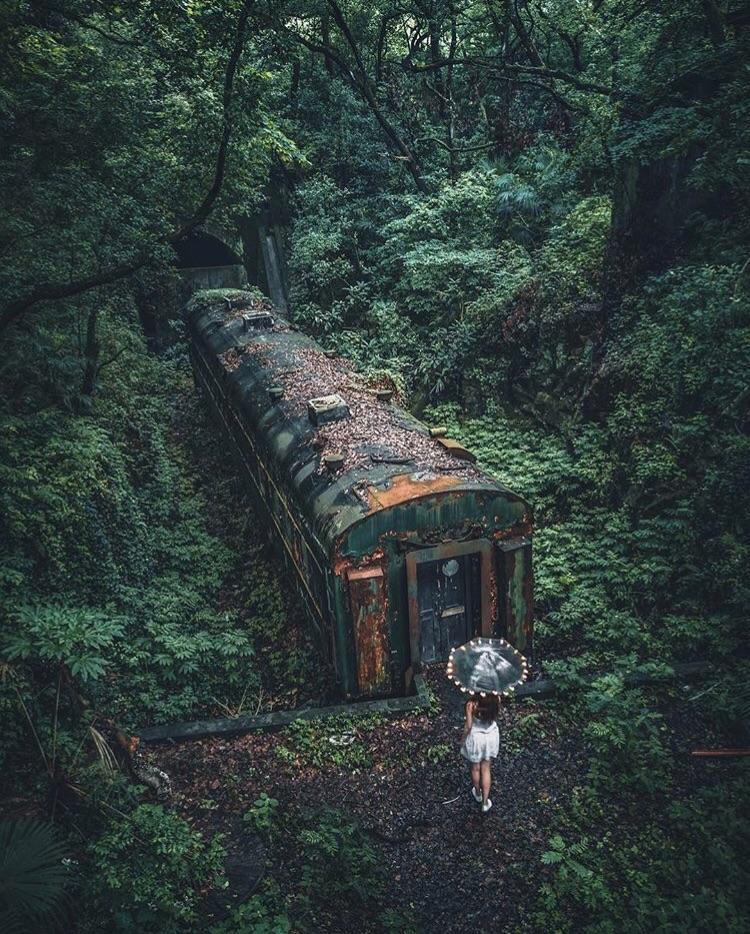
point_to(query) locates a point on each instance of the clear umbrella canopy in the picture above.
(487, 666)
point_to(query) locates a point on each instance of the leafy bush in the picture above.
(261, 914)
(339, 860)
(679, 875)
(440, 752)
(628, 754)
(107, 560)
(575, 879)
(262, 814)
(77, 638)
(149, 868)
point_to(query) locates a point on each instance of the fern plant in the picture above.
(76, 637)
(578, 876)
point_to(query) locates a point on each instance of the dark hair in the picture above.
(488, 708)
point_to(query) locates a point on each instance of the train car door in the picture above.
(444, 594)
(448, 597)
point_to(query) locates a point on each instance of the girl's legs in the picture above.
(475, 775)
(486, 778)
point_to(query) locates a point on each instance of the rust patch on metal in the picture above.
(367, 593)
(340, 565)
(408, 486)
(522, 529)
(346, 566)
(456, 449)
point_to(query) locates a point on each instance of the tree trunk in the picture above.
(326, 34)
(436, 56)
(715, 18)
(449, 109)
(294, 85)
(91, 352)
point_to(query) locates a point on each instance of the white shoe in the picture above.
(486, 806)
(477, 795)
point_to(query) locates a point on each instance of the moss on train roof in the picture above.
(215, 299)
(375, 431)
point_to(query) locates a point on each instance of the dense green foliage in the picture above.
(339, 885)
(533, 216)
(149, 866)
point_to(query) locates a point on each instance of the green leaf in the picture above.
(32, 875)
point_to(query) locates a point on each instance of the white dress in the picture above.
(483, 742)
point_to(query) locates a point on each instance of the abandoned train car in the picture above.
(399, 545)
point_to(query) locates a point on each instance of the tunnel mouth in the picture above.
(199, 250)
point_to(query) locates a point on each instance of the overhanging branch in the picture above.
(53, 291)
(531, 71)
(362, 83)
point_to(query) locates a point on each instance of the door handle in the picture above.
(453, 611)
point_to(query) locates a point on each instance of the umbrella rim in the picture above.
(488, 639)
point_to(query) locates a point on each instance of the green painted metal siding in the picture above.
(478, 511)
(515, 585)
(451, 517)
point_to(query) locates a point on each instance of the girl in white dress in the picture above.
(480, 744)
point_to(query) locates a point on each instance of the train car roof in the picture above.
(272, 370)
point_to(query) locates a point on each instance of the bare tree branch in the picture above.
(509, 70)
(455, 149)
(363, 84)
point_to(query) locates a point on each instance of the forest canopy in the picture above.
(532, 217)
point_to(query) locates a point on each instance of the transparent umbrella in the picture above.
(487, 666)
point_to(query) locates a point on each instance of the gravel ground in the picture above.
(445, 860)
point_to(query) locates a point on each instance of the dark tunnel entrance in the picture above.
(206, 262)
(200, 249)
(202, 261)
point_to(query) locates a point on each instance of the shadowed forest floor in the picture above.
(402, 781)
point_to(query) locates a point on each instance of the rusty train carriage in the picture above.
(399, 545)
